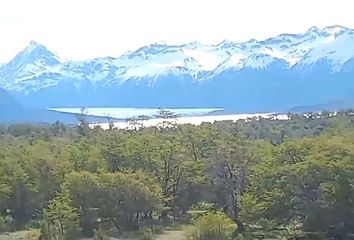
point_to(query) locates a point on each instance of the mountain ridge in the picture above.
(187, 75)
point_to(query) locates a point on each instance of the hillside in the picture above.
(12, 112)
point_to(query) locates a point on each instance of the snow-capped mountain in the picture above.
(269, 75)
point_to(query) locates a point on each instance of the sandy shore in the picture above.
(197, 120)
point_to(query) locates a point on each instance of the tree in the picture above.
(121, 199)
(306, 186)
(110, 122)
(83, 187)
(137, 123)
(276, 179)
(83, 125)
(127, 197)
(169, 119)
(61, 219)
(17, 190)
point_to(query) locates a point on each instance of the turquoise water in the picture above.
(126, 113)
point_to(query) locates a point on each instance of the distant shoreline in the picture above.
(194, 120)
(124, 113)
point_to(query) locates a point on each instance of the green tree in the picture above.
(61, 219)
(83, 188)
(305, 185)
(128, 197)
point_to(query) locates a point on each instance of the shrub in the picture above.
(157, 229)
(212, 226)
(6, 224)
(3, 227)
(200, 209)
(101, 234)
(145, 234)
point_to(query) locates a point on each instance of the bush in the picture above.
(3, 227)
(157, 229)
(52, 231)
(101, 234)
(6, 224)
(212, 226)
(200, 209)
(145, 234)
(72, 232)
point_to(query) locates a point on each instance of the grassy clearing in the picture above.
(14, 236)
(173, 234)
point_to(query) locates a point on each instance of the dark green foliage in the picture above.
(305, 184)
(290, 179)
(145, 234)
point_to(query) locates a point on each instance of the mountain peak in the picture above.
(30, 62)
(313, 29)
(35, 51)
(34, 46)
(33, 43)
(314, 32)
(335, 29)
(329, 30)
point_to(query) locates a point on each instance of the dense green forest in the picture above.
(254, 179)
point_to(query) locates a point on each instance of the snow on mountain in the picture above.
(336, 46)
(156, 60)
(37, 68)
(26, 69)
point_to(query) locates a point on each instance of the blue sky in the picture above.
(82, 29)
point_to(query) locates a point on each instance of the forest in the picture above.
(253, 179)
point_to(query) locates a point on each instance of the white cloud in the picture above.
(82, 29)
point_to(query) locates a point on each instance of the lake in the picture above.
(127, 113)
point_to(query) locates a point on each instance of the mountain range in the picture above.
(311, 68)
